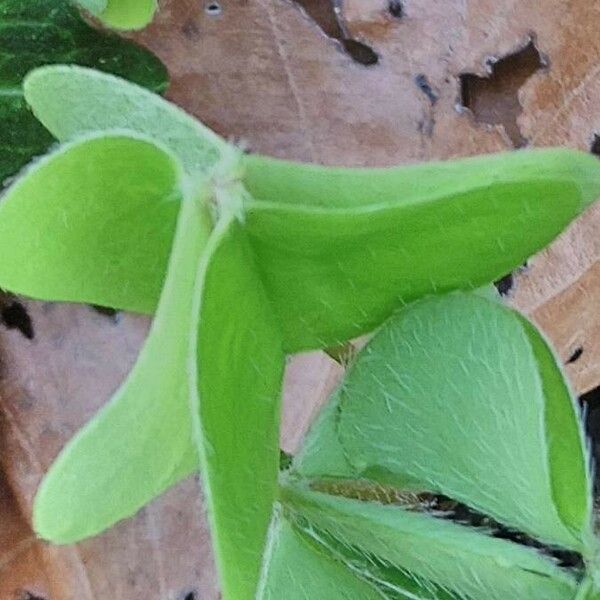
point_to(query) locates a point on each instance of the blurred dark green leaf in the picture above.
(41, 32)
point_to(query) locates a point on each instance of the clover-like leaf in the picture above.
(369, 240)
(460, 395)
(140, 442)
(71, 100)
(39, 32)
(456, 394)
(122, 14)
(72, 226)
(222, 360)
(237, 371)
(462, 562)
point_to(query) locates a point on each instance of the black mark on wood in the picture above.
(424, 85)
(590, 403)
(213, 9)
(111, 313)
(505, 284)
(595, 147)
(575, 356)
(396, 8)
(14, 315)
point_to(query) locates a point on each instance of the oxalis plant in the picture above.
(244, 259)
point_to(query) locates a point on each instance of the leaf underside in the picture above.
(457, 395)
(71, 101)
(297, 571)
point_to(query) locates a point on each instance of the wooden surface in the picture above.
(265, 72)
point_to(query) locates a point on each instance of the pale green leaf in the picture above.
(128, 14)
(462, 561)
(238, 376)
(401, 239)
(305, 184)
(322, 455)
(296, 569)
(74, 226)
(71, 100)
(340, 249)
(121, 14)
(452, 395)
(141, 442)
(392, 582)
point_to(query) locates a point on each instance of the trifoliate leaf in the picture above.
(368, 240)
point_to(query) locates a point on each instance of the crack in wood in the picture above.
(327, 14)
(494, 99)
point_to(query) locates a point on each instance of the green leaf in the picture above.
(455, 395)
(140, 442)
(404, 239)
(322, 455)
(237, 370)
(73, 226)
(296, 569)
(459, 560)
(39, 32)
(70, 101)
(340, 249)
(122, 14)
(391, 581)
(570, 481)
(305, 184)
